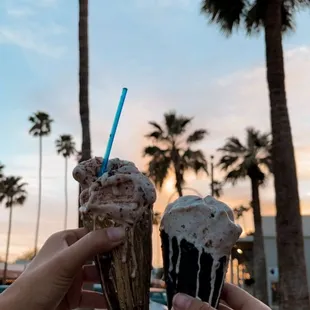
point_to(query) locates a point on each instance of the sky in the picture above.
(170, 58)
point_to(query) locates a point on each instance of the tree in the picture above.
(172, 151)
(239, 213)
(12, 193)
(40, 127)
(27, 256)
(248, 161)
(83, 87)
(216, 188)
(275, 17)
(66, 147)
(1, 171)
(156, 218)
(83, 83)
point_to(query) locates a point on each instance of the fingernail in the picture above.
(182, 301)
(116, 234)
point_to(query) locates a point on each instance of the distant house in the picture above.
(240, 273)
(13, 271)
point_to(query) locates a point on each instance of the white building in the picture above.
(245, 247)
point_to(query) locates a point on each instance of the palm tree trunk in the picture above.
(259, 258)
(178, 184)
(294, 293)
(178, 177)
(8, 245)
(66, 193)
(40, 198)
(212, 177)
(83, 82)
(83, 78)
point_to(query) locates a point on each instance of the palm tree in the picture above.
(247, 161)
(1, 171)
(40, 127)
(83, 79)
(156, 218)
(215, 186)
(275, 17)
(239, 213)
(171, 150)
(66, 147)
(13, 192)
(83, 83)
(26, 256)
(83, 87)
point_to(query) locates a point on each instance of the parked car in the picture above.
(2, 288)
(157, 306)
(158, 295)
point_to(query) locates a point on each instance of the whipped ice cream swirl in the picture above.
(205, 223)
(120, 197)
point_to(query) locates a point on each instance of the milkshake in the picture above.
(197, 235)
(122, 196)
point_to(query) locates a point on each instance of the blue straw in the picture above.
(104, 165)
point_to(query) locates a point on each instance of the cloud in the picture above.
(20, 12)
(168, 4)
(33, 34)
(28, 39)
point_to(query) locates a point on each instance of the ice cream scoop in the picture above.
(198, 235)
(122, 196)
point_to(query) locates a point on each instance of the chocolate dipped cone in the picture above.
(197, 238)
(121, 197)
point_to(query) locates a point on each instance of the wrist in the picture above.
(13, 298)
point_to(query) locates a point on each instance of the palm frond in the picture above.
(153, 151)
(194, 160)
(197, 136)
(239, 211)
(235, 175)
(176, 125)
(41, 124)
(65, 145)
(227, 14)
(12, 190)
(156, 135)
(233, 146)
(158, 169)
(157, 126)
(227, 161)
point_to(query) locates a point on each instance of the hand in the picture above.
(54, 279)
(233, 297)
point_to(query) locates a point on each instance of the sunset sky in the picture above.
(169, 57)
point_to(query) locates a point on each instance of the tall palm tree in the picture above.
(40, 127)
(83, 82)
(66, 147)
(83, 87)
(12, 192)
(1, 171)
(248, 161)
(172, 150)
(156, 218)
(275, 17)
(239, 213)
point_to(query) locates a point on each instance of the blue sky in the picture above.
(168, 56)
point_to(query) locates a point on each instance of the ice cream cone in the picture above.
(197, 238)
(121, 197)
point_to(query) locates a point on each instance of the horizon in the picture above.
(149, 48)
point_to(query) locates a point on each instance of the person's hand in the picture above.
(54, 279)
(233, 298)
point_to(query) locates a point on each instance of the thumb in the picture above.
(93, 243)
(185, 302)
